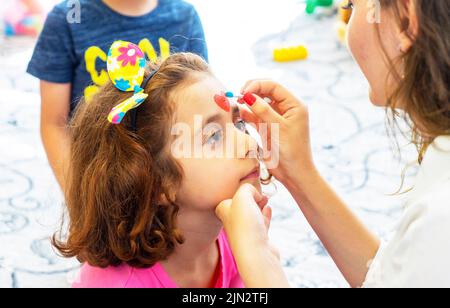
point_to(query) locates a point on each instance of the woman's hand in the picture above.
(289, 153)
(345, 237)
(246, 219)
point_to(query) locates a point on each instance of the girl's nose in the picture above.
(247, 147)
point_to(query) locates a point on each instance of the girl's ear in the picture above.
(163, 200)
(410, 26)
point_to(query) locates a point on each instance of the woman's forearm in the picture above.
(351, 245)
(261, 268)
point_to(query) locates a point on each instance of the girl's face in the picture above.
(218, 156)
(366, 47)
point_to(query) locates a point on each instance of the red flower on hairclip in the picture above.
(129, 54)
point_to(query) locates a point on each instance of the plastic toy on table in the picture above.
(290, 54)
(311, 5)
(24, 17)
(344, 18)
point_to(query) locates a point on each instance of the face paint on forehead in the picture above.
(223, 102)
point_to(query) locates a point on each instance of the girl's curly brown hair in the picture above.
(122, 184)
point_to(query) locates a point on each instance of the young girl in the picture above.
(70, 55)
(139, 216)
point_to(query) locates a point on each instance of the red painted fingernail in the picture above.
(250, 99)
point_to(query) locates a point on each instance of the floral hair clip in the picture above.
(126, 68)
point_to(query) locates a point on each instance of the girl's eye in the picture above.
(348, 6)
(241, 126)
(214, 137)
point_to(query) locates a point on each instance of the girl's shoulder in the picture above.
(96, 277)
(123, 276)
(230, 273)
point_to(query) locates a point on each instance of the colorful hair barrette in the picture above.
(126, 69)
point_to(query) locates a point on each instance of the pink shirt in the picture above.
(125, 276)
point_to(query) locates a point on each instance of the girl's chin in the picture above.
(255, 182)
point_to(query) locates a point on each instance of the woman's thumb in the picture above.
(267, 213)
(262, 109)
(223, 209)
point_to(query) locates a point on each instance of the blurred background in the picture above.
(349, 136)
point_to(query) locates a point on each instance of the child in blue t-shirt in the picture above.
(70, 55)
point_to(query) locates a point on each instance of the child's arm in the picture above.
(55, 107)
(53, 62)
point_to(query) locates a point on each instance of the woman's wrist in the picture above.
(300, 178)
(262, 268)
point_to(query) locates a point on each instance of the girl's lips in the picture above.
(252, 175)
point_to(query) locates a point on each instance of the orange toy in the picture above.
(344, 18)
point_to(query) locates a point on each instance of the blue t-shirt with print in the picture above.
(75, 52)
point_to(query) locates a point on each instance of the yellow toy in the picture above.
(290, 54)
(344, 18)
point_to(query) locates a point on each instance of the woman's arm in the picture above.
(351, 245)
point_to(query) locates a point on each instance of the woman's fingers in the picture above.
(267, 213)
(266, 87)
(248, 116)
(251, 81)
(246, 219)
(287, 142)
(264, 201)
(223, 209)
(249, 192)
(246, 194)
(261, 109)
(282, 99)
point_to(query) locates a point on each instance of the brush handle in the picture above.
(240, 97)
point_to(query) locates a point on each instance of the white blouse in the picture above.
(419, 253)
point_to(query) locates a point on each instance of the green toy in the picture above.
(311, 5)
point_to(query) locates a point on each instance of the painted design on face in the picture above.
(223, 102)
